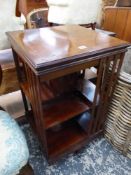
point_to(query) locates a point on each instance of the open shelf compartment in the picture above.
(66, 137)
(46, 93)
(87, 90)
(63, 109)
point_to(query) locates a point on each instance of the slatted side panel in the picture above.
(36, 105)
(32, 88)
(108, 71)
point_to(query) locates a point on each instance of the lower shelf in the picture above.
(65, 138)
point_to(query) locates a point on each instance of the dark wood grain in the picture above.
(63, 109)
(67, 136)
(51, 70)
(46, 47)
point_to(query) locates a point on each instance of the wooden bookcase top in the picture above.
(48, 47)
(68, 108)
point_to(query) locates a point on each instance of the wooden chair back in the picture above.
(21, 7)
(38, 18)
(123, 3)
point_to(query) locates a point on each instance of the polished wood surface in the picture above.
(49, 46)
(67, 110)
(118, 20)
(64, 110)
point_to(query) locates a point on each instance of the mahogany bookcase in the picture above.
(67, 109)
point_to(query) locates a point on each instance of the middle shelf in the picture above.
(63, 109)
(64, 98)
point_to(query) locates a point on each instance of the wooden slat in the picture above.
(120, 22)
(106, 65)
(127, 32)
(110, 19)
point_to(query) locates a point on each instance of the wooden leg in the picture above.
(90, 25)
(93, 26)
(26, 170)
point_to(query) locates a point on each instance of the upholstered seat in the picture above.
(14, 152)
(74, 11)
(9, 21)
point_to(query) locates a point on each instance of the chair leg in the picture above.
(90, 25)
(26, 170)
(93, 26)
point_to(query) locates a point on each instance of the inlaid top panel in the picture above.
(55, 45)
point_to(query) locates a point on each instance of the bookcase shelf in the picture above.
(63, 109)
(65, 138)
(55, 71)
(66, 116)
